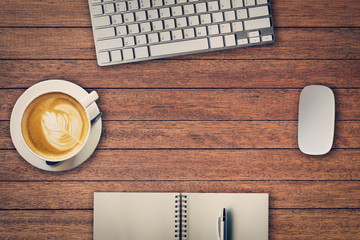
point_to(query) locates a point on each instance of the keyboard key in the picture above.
(267, 38)
(105, 32)
(103, 57)
(157, 3)
(121, 6)
(179, 47)
(177, 35)
(193, 20)
(258, 11)
(153, 37)
(201, 31)
(165, 36)
(169, 2)
(225, 28)
(96, 1)
(153, 14)
(116, 19)
(145, 27)
(133, 28)
(141, 39)
(229, 16)
(237, 3)
(111, 43)
(140, 16)
(200, 7)
(230, 40)
(254, 34)
(205, 19)
(225, 4)
(121, 30)
(176, 11)
(101, 21)
(129, 17)
(96, 10)
(129, 41)
(189, 9)
(158, 25)
(237, 26)
(165, 12)
(213, 5)
(261, 2)
(249, 2)
(217, 17)
(181, 22)
(116, 56)
(242, 41)
(169, 23)
(144, 3)
(242, 14)
(109, 8)
(255, 40)
(257, 23)
(133, 5)
(213, 29)
(128, 54)
(216, 42)
(141, 52)
(189, 33)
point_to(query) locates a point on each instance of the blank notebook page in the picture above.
(247, 215)
(134, 216)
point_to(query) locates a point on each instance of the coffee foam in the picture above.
(54, 125)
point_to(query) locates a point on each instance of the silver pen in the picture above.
(222, 225)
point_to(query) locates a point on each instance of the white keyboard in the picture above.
(137, 30)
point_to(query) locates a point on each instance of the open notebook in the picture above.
(185, 216)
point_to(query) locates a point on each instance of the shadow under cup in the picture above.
(55, 126)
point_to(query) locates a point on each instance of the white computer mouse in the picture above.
(316, 120)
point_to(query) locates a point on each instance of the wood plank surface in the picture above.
(184, 74)
(334, 224)
(223, 121)
(78, 43)
(204, 104)
(195, 165)
(65, 224)
(205, 134)
(286, 13)
(284, 194)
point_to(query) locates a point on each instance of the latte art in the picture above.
(62, 128)
(55, 125)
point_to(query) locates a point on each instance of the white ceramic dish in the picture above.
(15, 125)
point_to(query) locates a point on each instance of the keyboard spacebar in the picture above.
(179, 47)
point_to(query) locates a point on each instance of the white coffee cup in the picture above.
(56, 124)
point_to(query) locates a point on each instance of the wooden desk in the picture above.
(213, 122)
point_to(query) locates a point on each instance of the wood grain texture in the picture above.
(283, 194)
(204, 104)
(223, 121)
(286, 13)
(185, 73)
(78, 43)
(205, 134)
(58, 224)
(195, 165)
(314, 224)
(284, 224)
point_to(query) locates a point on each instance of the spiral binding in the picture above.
(180, 217)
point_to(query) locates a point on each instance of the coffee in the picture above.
(55, 126)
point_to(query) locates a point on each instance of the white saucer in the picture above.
(15, 125)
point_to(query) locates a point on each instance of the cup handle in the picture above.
(89, 99)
